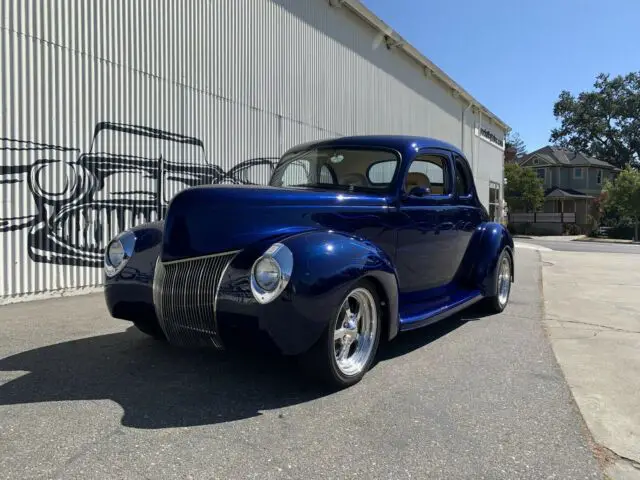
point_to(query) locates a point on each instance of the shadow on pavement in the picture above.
(407, 342)
(160, 386)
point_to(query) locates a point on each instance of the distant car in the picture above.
(354, 239)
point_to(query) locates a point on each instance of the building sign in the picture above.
(491, 137)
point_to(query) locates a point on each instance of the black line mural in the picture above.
(74, 202)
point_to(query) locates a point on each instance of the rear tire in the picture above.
(151, 328)
(498, 302)
(347, 349)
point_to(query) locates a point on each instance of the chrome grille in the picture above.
(185, 294)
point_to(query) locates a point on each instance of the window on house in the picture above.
(541, 172)
(599, 177)
(577, 172)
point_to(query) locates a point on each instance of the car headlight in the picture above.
(271, 272)
(118, 253)
(267, 273)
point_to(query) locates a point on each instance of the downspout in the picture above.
(475, 173)
(464, 112)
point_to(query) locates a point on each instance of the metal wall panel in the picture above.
(109, 108)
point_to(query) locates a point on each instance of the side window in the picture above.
(296, 173)
(463, 182)
(325, 175)
(429, 171)
(382, 172)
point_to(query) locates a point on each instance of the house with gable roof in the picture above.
(571, 181)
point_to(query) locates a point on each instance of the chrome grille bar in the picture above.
(185, 294)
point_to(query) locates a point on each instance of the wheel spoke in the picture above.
(339, 334)
(358, 317)
(344, 352)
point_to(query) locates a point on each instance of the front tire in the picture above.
(504, 272)
(347, 349)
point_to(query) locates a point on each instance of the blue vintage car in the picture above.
(355, 239)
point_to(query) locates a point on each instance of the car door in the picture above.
(469, 211)
(427, 243)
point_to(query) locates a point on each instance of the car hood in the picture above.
(214, 219)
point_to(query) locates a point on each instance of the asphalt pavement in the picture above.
(85, 396)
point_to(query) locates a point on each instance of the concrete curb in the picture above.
(606, 240)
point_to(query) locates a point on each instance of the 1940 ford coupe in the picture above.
(354, 239)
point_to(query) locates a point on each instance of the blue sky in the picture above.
(516, 56)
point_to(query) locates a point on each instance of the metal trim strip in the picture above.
(203, 257)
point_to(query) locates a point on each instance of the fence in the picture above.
(542, 217)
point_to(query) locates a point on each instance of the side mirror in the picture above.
(418, 191)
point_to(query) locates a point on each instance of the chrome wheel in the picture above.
(355, 332)
(504, 280)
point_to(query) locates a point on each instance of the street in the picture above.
(581, 246)
(86, 396)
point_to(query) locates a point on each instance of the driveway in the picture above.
(593, 318)
(84, 396)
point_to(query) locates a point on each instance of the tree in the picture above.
(523, 189)
(514, 148)
(514, 141)
(603, 123)
(597, 208)
(623, 196)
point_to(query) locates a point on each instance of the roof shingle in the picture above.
(564, 157)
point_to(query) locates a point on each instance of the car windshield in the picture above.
(354, 169)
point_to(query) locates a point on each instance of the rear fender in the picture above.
(480, 262)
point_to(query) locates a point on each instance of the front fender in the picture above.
(129, 294)
(481, 259)
(326, 265)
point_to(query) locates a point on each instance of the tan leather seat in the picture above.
(416, 179)
(355, 179)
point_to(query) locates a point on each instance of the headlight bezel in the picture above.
(281, 256)
(127, 240)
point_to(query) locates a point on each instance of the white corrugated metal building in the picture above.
(96, 95)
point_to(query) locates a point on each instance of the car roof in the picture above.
(402, 143)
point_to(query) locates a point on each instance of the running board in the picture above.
(438, 314)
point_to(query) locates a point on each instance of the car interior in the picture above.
(366, 168)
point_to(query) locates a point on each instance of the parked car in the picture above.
(354, 239)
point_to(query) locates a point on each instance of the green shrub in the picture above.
(622, 229)
(572, 229)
